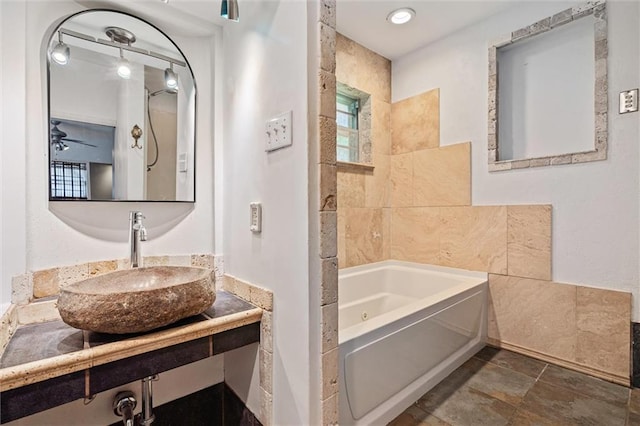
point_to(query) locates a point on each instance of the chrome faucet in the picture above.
(137, 233)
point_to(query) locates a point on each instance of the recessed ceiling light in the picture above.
(401, 16)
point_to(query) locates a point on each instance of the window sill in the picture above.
(346, 165)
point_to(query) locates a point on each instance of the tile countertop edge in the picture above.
(37, 371)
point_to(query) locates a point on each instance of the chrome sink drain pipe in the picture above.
(147, 400)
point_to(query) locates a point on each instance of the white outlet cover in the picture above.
(278, 132)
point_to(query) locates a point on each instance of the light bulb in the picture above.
(170, 79)
(124, 69)
(60, 54)
(401, 16)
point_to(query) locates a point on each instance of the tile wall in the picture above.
(425, 214)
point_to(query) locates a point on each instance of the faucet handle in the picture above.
(143, 233)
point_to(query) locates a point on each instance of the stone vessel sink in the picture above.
(137, 300)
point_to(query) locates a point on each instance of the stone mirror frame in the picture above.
(597, 11)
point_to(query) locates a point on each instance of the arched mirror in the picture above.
(122, 101)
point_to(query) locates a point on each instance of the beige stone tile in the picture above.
(180, 260)
(327, 92)
(72, 274)
(8, 325)
(327, 47)
(386, 233)
(329, 373)
(362, 69)
(474, 238)
(103, 267)
(242, 289)
(266, 408)
(330, 411)
(45, 283)
(401, 180)
(202, 260)
(266, 331)
(328, 234)
(328, 187)
(381, 128)
(261, 297)
(415, 234)
(415, 123)
(442, 176)
(603, 321)
(533, 314)
(529, 241)
(155, 261)
(327, 143)
(266, 368)
(350, 188)
(342, 238)
(376, 183)
(38, 312)
(329, 327)
(124, 264)
(329, 280)
(22, 288)
(363, 236)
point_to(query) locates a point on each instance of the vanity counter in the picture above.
(58, 363)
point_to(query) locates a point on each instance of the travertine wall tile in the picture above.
(38, 312)
(103, 267)
(376, 183)
(329, 327)
(330, 373)
(330, 280)
(381, 127)
(8, 325)
(72, 274)
(351, 188)
(604, 322)
(415, 234)
(474, 238)
(266, 408)
(22, 289)
(202, 261)
(415, 123)
(45, 283)
(327, 47)
(328, 234)
(442, 176)
(266, 366)
(533, 314)
(363, 69)
(330, 411)
(401, 180)
(327, 143)
(181, 260)
(328, 187)
(386, 233)
(363, 236)
(342, 239)
(155, 261)
(260, 297)
(529, 241)
(266, 334)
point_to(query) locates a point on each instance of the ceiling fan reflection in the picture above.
(59, 138)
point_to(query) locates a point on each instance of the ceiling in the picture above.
(364, 21)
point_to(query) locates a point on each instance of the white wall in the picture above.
(595, 205)
(265, 74)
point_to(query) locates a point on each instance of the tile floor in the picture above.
(499, 387)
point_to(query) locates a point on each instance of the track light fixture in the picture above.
(60, 53)
(229, 10)
(124, 68)
(170, 78)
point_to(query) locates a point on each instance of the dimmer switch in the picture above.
(256, 217)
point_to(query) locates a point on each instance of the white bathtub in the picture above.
(403, 327)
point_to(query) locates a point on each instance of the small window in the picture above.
(347, 136)
(68, 180)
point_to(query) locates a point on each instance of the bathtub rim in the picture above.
(470, 280)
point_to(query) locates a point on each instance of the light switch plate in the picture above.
(629, 101)
(278, 132)
(255, 224)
